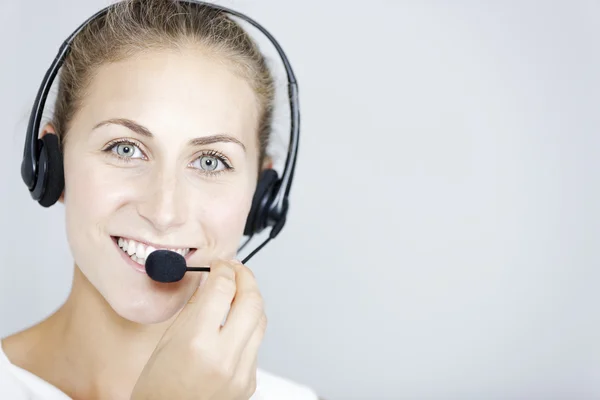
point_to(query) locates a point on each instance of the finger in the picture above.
(194, 297)
(250, 353)
(187, 312)
(214, 299)
(246, 309)
(246, 368)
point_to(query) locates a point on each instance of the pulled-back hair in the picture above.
(135, 26)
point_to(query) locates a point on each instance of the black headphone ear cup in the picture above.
(50, 181)
(263, 196)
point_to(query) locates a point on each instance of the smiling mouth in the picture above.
(139, 251)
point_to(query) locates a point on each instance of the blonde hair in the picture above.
(134, 26)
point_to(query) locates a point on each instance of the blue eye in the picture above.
(127, 150)
(211, 163)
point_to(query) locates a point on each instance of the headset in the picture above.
(42, 166)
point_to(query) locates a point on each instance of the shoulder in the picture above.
(273, 387)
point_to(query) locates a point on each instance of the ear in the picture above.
(49, 129)
(267, 163)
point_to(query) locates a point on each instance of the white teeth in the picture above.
(140, 251)
(131, 247)
(138, 260)
(149, 251)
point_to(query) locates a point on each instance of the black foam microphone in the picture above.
(168, 266)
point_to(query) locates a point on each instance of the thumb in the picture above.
(194, 297)
(186, 310)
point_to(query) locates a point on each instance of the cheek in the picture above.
(92, 191)
(88, 201)
(225, 212)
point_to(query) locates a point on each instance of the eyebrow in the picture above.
(143, 131)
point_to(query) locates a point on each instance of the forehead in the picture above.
(180, 92)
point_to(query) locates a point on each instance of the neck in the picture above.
(102, 353)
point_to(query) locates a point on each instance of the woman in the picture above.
(163, 114)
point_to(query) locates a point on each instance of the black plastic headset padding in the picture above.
(49, 188)
(263, 196)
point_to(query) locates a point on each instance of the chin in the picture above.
(122, 282)
(145, 312)
(149, 302)
(128, 290)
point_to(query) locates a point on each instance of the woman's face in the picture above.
(162, 153)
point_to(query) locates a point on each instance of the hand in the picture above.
(197, 358)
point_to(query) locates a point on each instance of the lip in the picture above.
(155, 245)
(135, 265)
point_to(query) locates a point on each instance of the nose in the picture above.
(164, 205)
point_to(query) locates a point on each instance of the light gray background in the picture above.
(444, 231)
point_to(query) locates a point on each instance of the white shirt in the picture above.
(19, 384)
